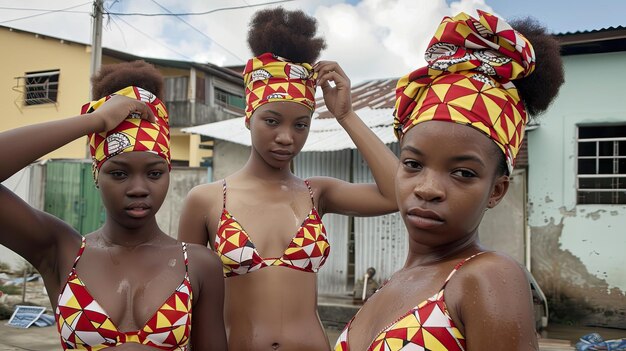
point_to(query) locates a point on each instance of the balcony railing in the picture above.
(180, 114)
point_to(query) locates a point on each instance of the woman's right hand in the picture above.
(118, 108)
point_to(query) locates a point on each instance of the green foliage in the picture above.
(11, 289)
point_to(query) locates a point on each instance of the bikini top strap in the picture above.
(80, 252)
(184, 245)
(458, 266)
(306, 181)
(224, 191)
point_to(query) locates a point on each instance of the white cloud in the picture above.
(370, 39)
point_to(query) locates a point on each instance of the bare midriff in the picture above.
(274, 308)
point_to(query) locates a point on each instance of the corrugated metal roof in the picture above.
(373, 94)
(606, 29)
(372, 100)
(325, 134)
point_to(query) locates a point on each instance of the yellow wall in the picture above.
(27, 52)
(179, 146)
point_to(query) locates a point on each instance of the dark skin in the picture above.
(443, 190)
(276, 307)
(129, 265)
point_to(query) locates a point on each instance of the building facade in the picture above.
(44, 78)
(577, 184)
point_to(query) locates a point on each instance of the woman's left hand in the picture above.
(338, 99)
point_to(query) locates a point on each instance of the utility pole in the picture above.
(96, 38)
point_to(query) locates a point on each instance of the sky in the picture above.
(370, 39)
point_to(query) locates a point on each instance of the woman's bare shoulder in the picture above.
(206, 193)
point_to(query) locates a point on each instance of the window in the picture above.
(41, 87)
(601, 177)
(226, 99)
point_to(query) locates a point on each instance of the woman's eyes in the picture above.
(155, 174)
(118, 174)
(411, 164)
(271, 122)
(416, 166)
(464, 173)
(302, 126)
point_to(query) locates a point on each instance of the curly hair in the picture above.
(111, 78)
(288, 34)
(539, 89)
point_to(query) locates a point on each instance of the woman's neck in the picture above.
(420, 255)
(115, 234)
(258, 168)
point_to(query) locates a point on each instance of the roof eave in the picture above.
(592, 42)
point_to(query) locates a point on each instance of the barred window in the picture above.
(41, 87)
(601, 176)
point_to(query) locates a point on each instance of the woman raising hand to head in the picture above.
(264, 222)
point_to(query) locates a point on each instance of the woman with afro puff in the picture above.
(460, 122)
(263, 221)
(127, 285)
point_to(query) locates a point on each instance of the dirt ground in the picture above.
(47, 339)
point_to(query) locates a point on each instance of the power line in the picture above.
(200, 32)
(30, 9)
(196, 13)
(46, 13)
(154, 40)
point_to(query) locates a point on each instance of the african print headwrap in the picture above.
(468, 80)
(134, 133)
(271, 78)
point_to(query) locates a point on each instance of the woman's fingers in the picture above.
(118, 108)
(330, 71)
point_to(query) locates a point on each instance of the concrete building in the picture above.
(44, 78)
(577, 184)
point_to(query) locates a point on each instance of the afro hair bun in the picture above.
(111, 78)
(540, 88)
(288, 34)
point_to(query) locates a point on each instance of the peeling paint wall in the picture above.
(578, 251)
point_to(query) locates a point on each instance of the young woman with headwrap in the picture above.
(460, 121)
(270, 266)
(127, 285)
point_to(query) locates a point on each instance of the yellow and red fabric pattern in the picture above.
(134, 133)
(84, 325)
(270, 78)
(468, 80)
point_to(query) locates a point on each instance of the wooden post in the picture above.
(24, 287)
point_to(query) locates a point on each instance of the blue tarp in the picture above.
(25, 316)
(595, 342)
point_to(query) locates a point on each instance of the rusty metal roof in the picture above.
(373, 94)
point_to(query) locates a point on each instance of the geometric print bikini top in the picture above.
(84, 325)
(427, 326)
(306, 252)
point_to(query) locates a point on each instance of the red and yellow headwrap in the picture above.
(468, 80)
(134, 133)
(271, 78)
